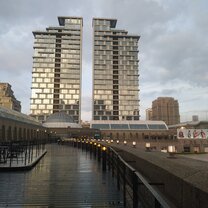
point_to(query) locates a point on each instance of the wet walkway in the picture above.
(65, 177)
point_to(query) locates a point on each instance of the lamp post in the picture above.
(134, 144)
(147, 145)
(171, 151)
(104, 158)
(37, 133)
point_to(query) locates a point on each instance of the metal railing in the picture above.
(20, 153)
(137, 191)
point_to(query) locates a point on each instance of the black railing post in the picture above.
(10, 152)
(91, 148)
(118, 172)
(87, 146)
(82, 145)
(135, 190)
(124, 184)
(32, 151)
(112, 162)
(95, 149)
(157, 204)
(99, 152)
(29, 151)
(26, 145)
(104, 158)
(109, 159)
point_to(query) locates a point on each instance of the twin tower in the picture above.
(57, 71)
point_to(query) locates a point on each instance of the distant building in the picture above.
(7, 98)
(18, 126)
(166, 109)
(149, 114)
(115, 72)
(57, 69)
(131, 130)
(63, 126)
(85, 124)
(190, 125)
(195, 118)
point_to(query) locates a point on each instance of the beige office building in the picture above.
(148, 113)
(57, 69)
(115, 72)
(166, 109)
(7, 98)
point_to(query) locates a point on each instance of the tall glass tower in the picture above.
(115, 72)
(57, 69)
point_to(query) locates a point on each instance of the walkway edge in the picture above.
(26, 167)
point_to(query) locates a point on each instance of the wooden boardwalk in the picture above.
(65, 177)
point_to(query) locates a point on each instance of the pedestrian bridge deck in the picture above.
(65, 177)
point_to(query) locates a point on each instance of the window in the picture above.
(100, 126)
(157, 126)
(138, 126)
(119, 126)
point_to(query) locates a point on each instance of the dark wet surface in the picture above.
(65, 177)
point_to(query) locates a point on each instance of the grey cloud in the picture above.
(173, 44)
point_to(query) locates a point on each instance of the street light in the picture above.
(147, 145)
(171, 151)
(104, 148)
(134, 144)
(125, 142)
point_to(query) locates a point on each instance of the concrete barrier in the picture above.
(183, 181)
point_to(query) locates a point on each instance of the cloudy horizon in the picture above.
(173, 47)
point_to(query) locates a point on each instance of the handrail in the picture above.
(134, 179)
(158, 196)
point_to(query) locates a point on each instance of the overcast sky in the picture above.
(173, 48)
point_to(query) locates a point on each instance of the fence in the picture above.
(137, 191)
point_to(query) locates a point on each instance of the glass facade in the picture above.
(57, 64)
(129, 125)
(115, 72)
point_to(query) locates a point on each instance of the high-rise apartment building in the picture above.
(149, 114)
(57, 68)
(7, 98)
(166, 109)
(115, 72)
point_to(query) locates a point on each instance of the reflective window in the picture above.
(119, 126)
(138, 126)
(100, 126)
(157, 126)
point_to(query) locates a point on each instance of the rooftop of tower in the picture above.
(112, 21)
(61, 19)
